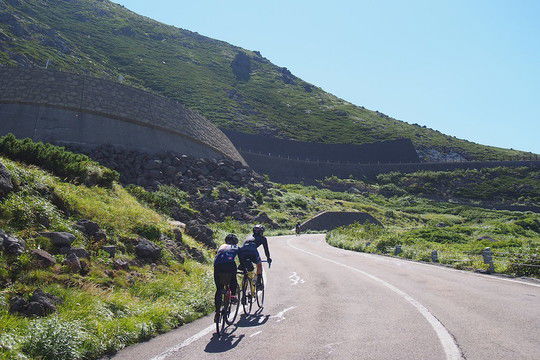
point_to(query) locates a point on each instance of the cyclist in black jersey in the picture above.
(225, 269)
(249, 255)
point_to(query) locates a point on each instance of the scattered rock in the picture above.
(111, 249)
(91, 230)
(59, 239)
(40, 304)
(119, 264)
(201, 233)
(196, 254)
(6, 185)
(80, 252)
(73, 263)
(263, 218)
(147, 250)
(43, 258)
(12, 245)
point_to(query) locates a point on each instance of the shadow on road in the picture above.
(225, 342)
(255, 319)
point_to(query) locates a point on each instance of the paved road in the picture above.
(328, 303)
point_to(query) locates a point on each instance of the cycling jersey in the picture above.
(226, 254)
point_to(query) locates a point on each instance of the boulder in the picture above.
(111, 249)
(73, 263)
(59, 239)
(263, 218)
(87, 227)
(119, 264)
(201, 233)
(12, 245)
(39, 304)
(6, 185)
(80, 252)
(43, 258)
(147, 250)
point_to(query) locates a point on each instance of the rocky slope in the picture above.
(233, 87)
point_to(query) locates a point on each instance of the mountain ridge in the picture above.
(235, 88)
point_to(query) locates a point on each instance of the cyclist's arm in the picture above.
(265, 245)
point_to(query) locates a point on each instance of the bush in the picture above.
(74, 167)
(389, 190)
(54, 339)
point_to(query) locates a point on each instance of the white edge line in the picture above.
(447, 341)
(185, 343)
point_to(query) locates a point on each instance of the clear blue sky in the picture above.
(469, 68)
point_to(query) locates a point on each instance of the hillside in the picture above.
(233, 87)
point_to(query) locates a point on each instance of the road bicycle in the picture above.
(249, 293)
(229, 309)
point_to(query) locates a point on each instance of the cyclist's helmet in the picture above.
(231, 239)
(258, 229)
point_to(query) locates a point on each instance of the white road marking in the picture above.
(280, 314)
(295, 279)
(447, 341)
(332, 346)
(185, 343)
(255, 334)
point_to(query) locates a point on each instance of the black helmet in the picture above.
(231, 239)
(258, 229)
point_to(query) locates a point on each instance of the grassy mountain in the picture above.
(233, 87)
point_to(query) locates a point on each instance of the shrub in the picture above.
(54, 339)
(75, 167)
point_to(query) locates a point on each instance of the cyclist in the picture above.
(249, 255)
(225, 270)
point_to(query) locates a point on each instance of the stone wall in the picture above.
(391, 151)
(293, 171)
(329, 220)
(77, 109)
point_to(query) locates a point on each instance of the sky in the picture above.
(466, 68)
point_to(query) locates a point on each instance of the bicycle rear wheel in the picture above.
(233, 309)
(247, 296)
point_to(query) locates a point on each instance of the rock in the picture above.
(111, 249)
(441, 224)
(178, 237)
(147, 250)
(196, 254)
(6, 185)
(12, 245)
(201, 233)
(89, 228)
(263, 218)
(59, 239)
(39, 304)
(43, 258)
(119, 264)
(80, 252)
(73, 263)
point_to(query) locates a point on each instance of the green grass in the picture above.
(107, 40)
(106, 309)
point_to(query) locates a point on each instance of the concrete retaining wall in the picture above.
(293, 171)
(76, 109)
(391, 151)
(329, 220)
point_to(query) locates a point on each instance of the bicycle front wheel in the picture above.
(247, 295)
(260, 295)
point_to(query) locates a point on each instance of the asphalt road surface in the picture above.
(328, 303)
